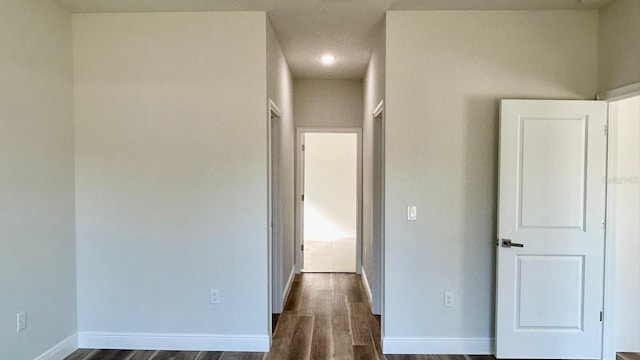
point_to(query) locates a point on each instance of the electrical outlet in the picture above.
(215, 296)
(21, 321)
(448, 299)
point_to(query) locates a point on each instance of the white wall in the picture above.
(374, 88)
(445, 74)
(619, 47)
(328, 103)
(37, 255)
(171, 179)
(280, 91)
(625, 187)
(330, 190)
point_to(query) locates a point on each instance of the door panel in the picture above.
(551, 208)
(558, 200)
(539, 287)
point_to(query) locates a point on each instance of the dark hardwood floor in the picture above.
(327, 316)
(88, 354)
(628, 356)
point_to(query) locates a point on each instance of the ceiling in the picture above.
(307, 29)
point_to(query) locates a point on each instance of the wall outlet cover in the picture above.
(215, 296)
(448, 299)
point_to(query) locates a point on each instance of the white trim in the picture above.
(274, 252)
(379, 114)
(274, 108)
(608, 323)
(287, 287)
(298, 257)
(367, 287)
(378, 110)
(300, 191)
(609, 307)
(176, 342)
(61, 350)
(620, 93)
(435, 346)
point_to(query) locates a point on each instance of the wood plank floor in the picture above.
(628, 356)
(89, 354)
(327, 316)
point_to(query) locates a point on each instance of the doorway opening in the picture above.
(329, 211)
(623, 220)
(373, 256)
(275, 215)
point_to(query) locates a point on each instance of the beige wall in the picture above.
(37, 259)
(171, 178)
(445, 74)
(280, 91)
(619, 45)
(374, 89)
(328, 103)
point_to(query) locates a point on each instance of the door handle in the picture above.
(506, 243)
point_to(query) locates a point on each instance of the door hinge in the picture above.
(302, 147)
(606, 129)
(601, 316)
(302, 197)
(302, 247)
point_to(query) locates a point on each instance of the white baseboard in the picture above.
(367, 287)
(435, 346)
(61, 350)
(183, 342)
(287, 286)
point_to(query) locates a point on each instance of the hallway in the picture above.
(326, 316)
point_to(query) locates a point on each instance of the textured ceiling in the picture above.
(309, 28)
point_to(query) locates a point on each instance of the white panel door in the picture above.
(551, 209)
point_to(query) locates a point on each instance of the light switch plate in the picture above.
(412, 213)
(21, 321)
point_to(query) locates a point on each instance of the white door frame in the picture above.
(274, 261)
(608, 332)
(379, 116)
(299, 256)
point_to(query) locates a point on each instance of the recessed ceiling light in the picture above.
(328, 59)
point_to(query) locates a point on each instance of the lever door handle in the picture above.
(506, 243)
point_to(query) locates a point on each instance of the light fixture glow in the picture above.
(328, 59)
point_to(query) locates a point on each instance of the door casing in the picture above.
(377, 218)
(608, 331)
(274, 220)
